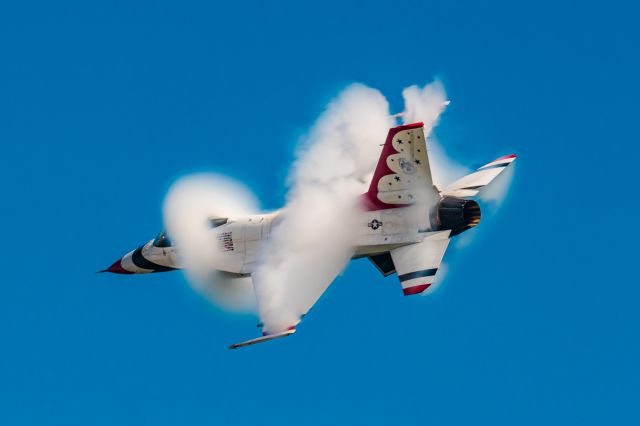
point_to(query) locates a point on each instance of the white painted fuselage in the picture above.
(240, 240)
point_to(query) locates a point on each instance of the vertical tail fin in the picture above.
(402, 169)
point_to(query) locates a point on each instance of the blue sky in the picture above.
(104, 104)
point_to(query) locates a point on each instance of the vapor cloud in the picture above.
(426, 104)
(496, 191)
(312, 243)
(189, 205)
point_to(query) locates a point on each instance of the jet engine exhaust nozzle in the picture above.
(457, 214)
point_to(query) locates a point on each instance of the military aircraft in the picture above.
(405, 224)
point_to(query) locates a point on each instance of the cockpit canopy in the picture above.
(162, 240)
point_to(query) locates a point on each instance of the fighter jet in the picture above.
(404, 228)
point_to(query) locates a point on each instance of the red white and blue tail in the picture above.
(403, 169)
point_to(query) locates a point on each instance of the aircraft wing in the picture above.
(471, 184)
(417, 264)
(281, 308)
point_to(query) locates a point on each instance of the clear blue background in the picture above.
(104, 104)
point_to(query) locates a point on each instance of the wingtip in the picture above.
(264, 338)
(506, 157)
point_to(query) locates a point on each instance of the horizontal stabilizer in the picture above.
(262, 339)
(417, 264)
(471, 184)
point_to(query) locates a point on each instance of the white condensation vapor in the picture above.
(313, 241)
(496, 192)
(188, 206)
(491, 196)
(426, 104)
(443, 270)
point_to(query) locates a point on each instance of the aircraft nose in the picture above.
(117, 268)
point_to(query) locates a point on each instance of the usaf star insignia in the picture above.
(374, 224)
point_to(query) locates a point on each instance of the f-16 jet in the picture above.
(404, 226)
